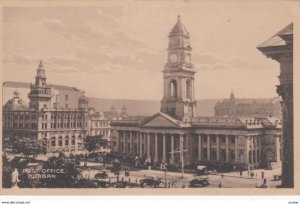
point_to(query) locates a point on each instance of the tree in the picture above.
(28, 147)
(66, 179)
(7, 172)
(90, 145)
(116, 168)
(85, 183)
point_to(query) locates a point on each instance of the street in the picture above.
(175, 180)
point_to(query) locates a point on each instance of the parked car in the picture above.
(201, 170)
(102, 174)
(199, 182)
(151, 182)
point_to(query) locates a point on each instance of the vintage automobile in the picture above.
(102, 174)
(151, 182)
(201, 170)
(199, 182)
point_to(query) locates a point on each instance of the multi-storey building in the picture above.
(64, 96)
(234, 107)
(175, 134)
(43, 121)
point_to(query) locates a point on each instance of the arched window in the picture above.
(173, 88)
(188, 89)
(60, 141)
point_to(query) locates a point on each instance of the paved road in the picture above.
(228, 180)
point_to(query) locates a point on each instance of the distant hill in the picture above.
(146, 107)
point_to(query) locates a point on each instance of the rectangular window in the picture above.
(53, 143)
(232, 155)
(66, 97)
(66, 142)
(213, 139)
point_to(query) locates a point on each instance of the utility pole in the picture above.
(181, 151)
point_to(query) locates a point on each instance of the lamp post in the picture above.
(164, 167)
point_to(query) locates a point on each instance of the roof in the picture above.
(279, 38)
(15, 103)
(236, 122)
(239, 101)
(15, 84)
(179, 29)
(161, 120)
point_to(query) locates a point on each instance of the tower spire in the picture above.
(231, 95)
(41, 64)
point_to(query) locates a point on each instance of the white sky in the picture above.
(119, 51)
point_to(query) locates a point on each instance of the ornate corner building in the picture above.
(175, 133)
(43, 121)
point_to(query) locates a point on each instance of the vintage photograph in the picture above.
(148, 94)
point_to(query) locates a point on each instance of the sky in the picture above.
(119, 50)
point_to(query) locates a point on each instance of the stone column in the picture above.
(164, 147)
(148, 146)
(155, 148)
(252, 148)
(124, 140)
(284, 55)
(227, 148)
(181, 145)
(118, 141)
(208, 147)
(199, 148)
(141, 144)
(246, 150)
(277, 143)
(255, 149)
(131, 141)
(218, 147)
(236, 149)
(172, 150)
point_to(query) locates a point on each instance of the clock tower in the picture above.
(41, 93)
(178, 94)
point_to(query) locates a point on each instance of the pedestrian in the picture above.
(262, 175)
(241, 173)
(222, 175)
(248, 173)
(256, 175)
(220, 185)
(265, 182)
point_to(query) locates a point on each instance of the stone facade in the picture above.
(280, 48)
(233, 107)
(176, 136)
(58, 129)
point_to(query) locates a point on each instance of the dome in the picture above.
(15, 103)
(83, 98)
(179, 29)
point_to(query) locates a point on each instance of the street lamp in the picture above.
(164, 167)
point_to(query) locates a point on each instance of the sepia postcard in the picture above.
(162, 97)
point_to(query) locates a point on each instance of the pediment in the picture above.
(160, 120)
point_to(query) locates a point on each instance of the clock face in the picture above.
(187, 58)
(173, 58)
